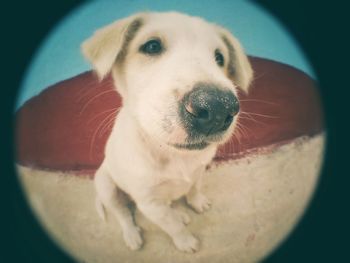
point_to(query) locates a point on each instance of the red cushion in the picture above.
(66, 126)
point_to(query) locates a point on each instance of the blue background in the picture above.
(59, 56)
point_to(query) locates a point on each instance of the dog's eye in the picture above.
(219, 58)
(152, 47)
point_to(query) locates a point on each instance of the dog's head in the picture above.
(177, 76)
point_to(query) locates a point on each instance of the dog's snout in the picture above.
(209, 110)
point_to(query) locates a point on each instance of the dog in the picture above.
(178, 77)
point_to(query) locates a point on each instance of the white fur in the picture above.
(140, 161)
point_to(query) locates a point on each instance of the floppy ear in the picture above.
(110, 43)
(239, 68)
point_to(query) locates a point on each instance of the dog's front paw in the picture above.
(186, 242)
(132, 237)
(199, 202)
(183, 216)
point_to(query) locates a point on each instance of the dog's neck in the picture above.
(152, 151)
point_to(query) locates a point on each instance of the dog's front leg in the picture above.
(195, 198)
(114, 199)
(169, 221)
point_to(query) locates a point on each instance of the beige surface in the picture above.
(256, 202)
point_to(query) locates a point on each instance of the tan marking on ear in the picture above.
(129, 36)
(239, 68)
(111, 43)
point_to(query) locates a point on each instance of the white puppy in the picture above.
(177, 76)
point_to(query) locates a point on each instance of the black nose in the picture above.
(208, 110)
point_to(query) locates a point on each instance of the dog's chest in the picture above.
(175, 179)
(170, 190)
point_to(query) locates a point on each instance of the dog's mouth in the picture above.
(191, 146)
(198, 142)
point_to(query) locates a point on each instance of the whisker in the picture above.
(245, 130)
(259, 114)
(93, 98)
(237, 136)
(90, 88)
(254, 120)
(260, 76)
(93, 89)
(109, 123)
(93, 139)
(99, 87)
(103, 112)
(106, 121)
(240, 132)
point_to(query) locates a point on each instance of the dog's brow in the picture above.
(231, 52)
(131, 31)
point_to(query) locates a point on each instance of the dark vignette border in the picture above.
(320, 27)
